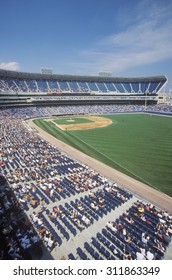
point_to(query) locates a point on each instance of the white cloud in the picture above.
(13, 65)
(148, 40)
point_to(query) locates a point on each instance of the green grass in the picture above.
(137, 145)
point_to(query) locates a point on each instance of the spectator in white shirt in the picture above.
(150, 255)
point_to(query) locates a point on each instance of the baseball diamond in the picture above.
(131, 144)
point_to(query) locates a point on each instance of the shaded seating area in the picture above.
(17, 237)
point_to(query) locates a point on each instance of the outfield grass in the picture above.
(137, 145)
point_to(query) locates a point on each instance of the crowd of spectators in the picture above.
(17, 234)
(143, 232)
(46, 111)
(38, 174)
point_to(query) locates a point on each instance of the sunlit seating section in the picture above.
(143, 232)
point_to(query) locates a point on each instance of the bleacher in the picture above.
(87, 202)
(41, 177)
(112, 243)
(22, 82)
(18, 88)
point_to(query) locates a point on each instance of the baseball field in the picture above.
(138, 145)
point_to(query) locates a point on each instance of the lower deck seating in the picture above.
(42, 177)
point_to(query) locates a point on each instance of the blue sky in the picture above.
(84, 37)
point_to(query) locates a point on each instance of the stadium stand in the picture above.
(51, 205)
(18, 88)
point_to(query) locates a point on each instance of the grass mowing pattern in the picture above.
(62, 135)
(137, 145)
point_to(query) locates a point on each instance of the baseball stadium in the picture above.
(85, 167)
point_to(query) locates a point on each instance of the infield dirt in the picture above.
(97, 122)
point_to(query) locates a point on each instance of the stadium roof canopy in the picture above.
(40, 76)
